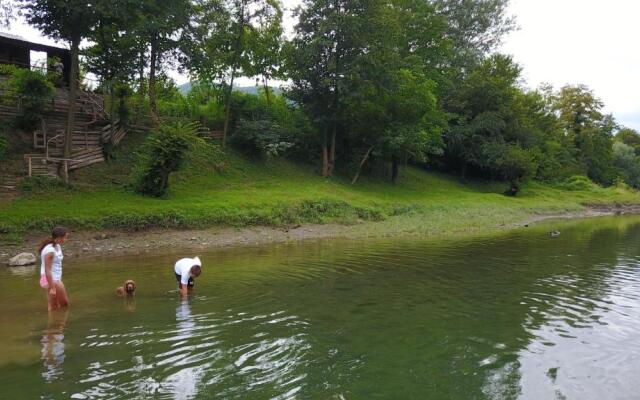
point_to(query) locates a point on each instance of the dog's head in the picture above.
(129, 286)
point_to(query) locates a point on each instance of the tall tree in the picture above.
(630, 137)
(475, 27)
(113, 55)
(393, 111)
(489, 131)
(71, 21)
(161, 24)
(230, 38)
(329, 40)
(581, 120)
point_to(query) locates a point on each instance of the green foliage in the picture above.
(577, 183)
(490, 133)
(282, 193)
(30, 89)
(627, 164)
(43, 184)
(163, 153)
(206, 104)
(229, 37)
(259, 138)
(475, 27)
(265, 125)
(121, 93)
(630, 137)
(587, 129)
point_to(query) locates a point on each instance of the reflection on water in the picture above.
(516, 316)
(53, 345)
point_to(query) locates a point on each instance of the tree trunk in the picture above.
(364, 160)
(152, 80)
(227, 116)
(112, 107)
(325, 156)
(71, 115)
(141, 75)
(234, 67)
(267, 90)
(395, 166)
(332, 150)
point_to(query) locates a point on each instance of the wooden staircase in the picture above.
(92, 130)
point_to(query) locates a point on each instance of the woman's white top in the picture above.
(56, 265)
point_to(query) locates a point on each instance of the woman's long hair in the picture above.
(56, 233)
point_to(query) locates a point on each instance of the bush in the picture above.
(259, 139)
(121, 92)
(32, 88)
(42, 184)
(162, 153)
(262, 127)
(577, 183)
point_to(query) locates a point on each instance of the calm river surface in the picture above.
(515, 316)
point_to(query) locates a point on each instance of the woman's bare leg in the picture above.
(52, 300)
(61, 294)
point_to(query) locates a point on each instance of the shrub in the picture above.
(577, 183)
(121, 92)
(42, 184)
(260, 139)
(162, 153)
(32, 88)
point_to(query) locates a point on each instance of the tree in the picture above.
(69, 20)
(475, 27)
(229, 38)
(160, 24)
(398, 120)
(113, 56)
(330, 37)
(630, 137)
(581, 120)
(627, 163)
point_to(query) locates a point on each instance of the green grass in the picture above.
(234, 191)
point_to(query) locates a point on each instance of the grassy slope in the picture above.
(278, 192)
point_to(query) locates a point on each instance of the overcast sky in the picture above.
(560, 42)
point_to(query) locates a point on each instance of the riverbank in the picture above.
(234, 201)
(89, 244)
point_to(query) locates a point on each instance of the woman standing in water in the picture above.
(51, 268)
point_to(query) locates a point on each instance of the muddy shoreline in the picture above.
(89, 244)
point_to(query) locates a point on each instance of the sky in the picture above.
(592, 42)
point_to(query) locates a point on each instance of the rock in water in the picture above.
(23, 259)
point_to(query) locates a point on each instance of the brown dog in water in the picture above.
(128, 289)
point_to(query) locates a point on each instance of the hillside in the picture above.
(230, 190)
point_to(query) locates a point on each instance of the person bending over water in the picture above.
(51, 268)
(186, 269)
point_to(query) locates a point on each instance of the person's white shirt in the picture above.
(183, 268)
(56, 265)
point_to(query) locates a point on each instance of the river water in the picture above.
(520, 315)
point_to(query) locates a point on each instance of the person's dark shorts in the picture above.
(189, 284)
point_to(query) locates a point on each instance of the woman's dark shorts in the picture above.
(189, 284)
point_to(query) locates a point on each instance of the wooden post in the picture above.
(29, 158)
